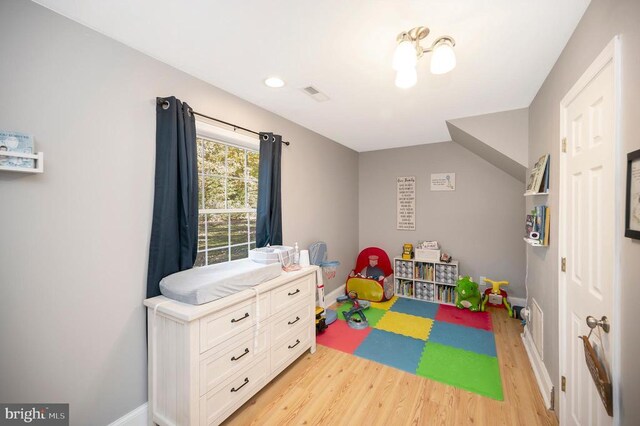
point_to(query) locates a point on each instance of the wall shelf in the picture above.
(530, 194)
(534, 243)
(37, 157)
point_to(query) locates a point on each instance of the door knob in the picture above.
(592, 323)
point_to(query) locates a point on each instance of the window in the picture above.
(228, 196)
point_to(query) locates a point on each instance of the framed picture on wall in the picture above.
(632, 221)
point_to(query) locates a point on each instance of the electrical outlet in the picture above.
(481, 282)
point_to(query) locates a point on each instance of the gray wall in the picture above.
(602, 20)
(480, 223)
(74, 245)
(505, 131)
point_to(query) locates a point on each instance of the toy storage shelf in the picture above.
(427, 280)
(38, 158)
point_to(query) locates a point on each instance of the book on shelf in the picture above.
(19, 143)
(538, 221)
(539, 177)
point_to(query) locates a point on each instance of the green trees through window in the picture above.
(228, 195)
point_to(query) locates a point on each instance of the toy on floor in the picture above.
(468, 295)
(355, 317)
(495, 296)
(321, 324)
(372, 278)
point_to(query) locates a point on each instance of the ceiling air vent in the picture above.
(315, 94)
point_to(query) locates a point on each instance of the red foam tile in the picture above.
(342, 337)
(465, 317)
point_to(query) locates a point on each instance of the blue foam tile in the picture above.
(461, 337)
(392, 349)
(415, 307)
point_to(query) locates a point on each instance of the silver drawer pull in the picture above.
(295, 292)
(294, 321)
(246, 380)
(246, 315)
(296, 344)
(234, 358)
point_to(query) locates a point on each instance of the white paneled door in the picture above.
(587, 235)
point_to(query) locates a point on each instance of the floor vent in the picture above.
(536, 327)
(315, 94)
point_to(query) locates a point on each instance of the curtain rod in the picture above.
(165, 102)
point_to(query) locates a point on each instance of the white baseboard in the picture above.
(137, 417)
(539, 370)
(330, 299)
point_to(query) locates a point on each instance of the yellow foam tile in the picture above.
(407, 325)
(385, 305)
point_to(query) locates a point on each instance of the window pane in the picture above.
(201, 233)
(200, 191)
(252, 224)
(235, 162)
(239, 229)
(217, 230)
(201, 259)
(214, 158)
(213, 193)
(239, 252)
(252, 245)
(235, 194)
(252, 164)
(200, 145)
(252, 194)
(217, 256)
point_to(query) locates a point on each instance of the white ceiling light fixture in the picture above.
(409, 51)
(274, 82)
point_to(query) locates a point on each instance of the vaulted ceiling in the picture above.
(505, 49)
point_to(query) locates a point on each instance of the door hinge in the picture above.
(563, 384)
(564, 144)
(563, 264)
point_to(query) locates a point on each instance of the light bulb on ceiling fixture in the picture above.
(408, 51)
(405, 56)
(406, 78)
(443, 59)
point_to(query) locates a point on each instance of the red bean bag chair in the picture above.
(372, 278)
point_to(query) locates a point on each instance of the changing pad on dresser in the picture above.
(208, 283)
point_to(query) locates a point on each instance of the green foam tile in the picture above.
(463, 369)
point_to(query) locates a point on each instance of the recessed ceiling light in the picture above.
(274, 82)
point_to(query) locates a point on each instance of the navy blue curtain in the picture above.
(269, 210)
(174, 232)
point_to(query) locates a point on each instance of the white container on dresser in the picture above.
(205, 361)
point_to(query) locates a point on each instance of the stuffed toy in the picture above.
(468, 294)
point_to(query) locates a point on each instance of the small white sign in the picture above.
(443, 181)
(406, 205)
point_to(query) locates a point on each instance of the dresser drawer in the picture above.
(286, 323)
(233, 391)
(288, 295)
(235, 319)
(290, 346)
(226, 362)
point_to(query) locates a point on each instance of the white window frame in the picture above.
(217, 134)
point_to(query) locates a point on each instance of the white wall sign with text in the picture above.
(406, 204)
(443, 181)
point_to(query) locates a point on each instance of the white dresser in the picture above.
(206, 361)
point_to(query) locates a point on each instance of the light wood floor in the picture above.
(334, 388)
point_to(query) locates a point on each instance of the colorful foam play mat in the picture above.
(439, 342)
